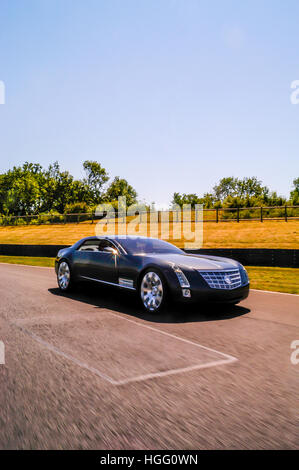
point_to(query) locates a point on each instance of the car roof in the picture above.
(118, 237)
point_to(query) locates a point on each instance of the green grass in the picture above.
(30, 261)
(275, 279)
(264, 278)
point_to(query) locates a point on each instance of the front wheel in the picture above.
(64, 277)
(152, 291)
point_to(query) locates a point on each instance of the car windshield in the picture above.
(147, 245)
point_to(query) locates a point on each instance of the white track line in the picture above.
(27, 265)
(274, 292)
(71, 358)
(141, 378)
(228, 359)
(171, 335)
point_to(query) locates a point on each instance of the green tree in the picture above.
(184, 199)
(226, 187)
(295, 192)
(20, 191)
(23, 198)
(248, 187)
(96, 177)
(120, 187)
(57, 189)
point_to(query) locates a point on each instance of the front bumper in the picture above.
(217, 295)
(201, 292)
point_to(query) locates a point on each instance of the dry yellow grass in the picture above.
(269, 234)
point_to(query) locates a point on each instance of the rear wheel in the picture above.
(64, 277)
(152, 291)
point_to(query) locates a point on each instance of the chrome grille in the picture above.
(222, 279)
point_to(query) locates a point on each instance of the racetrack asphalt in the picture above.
(91, 370)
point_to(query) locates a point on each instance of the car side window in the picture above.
(90, 245)
(104, 244)
(97, 246)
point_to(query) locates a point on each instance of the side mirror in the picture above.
(109, 249)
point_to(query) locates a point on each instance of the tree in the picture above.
(58, 189)
(295, 193)
(185, 199)
(120, 187)
(20, 191)
(209, 201)
(29, 189)
(243, 191)
(23, 198)
(226, 187)
(192, 199)
(96, 177)
(248, 187)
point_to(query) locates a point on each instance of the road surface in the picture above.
(91, 370)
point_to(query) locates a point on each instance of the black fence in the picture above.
(217, 215)
(246, 256)
(256, 256)
(49, 251)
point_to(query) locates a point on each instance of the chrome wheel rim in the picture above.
(151, 291)
(64, 275)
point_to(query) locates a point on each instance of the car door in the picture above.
(83, 259)
(103, 264)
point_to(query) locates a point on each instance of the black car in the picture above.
(155, 269)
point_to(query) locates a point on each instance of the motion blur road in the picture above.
(91, 370)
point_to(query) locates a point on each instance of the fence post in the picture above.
(217, 215)
(285, 213)
(238, 214)
(261, 214)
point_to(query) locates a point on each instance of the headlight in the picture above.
(184, 283)
(244, 275)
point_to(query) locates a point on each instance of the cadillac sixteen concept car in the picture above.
(156, 270)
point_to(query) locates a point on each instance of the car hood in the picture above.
(203, 262)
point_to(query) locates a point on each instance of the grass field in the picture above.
(272, 279)
(30, 261)
(269, 234)
(275, 279)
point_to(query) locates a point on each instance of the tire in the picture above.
(152, 291)
(64, 276)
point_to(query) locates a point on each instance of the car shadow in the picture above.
(126, 302)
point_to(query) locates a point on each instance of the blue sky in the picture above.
(170, 94)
